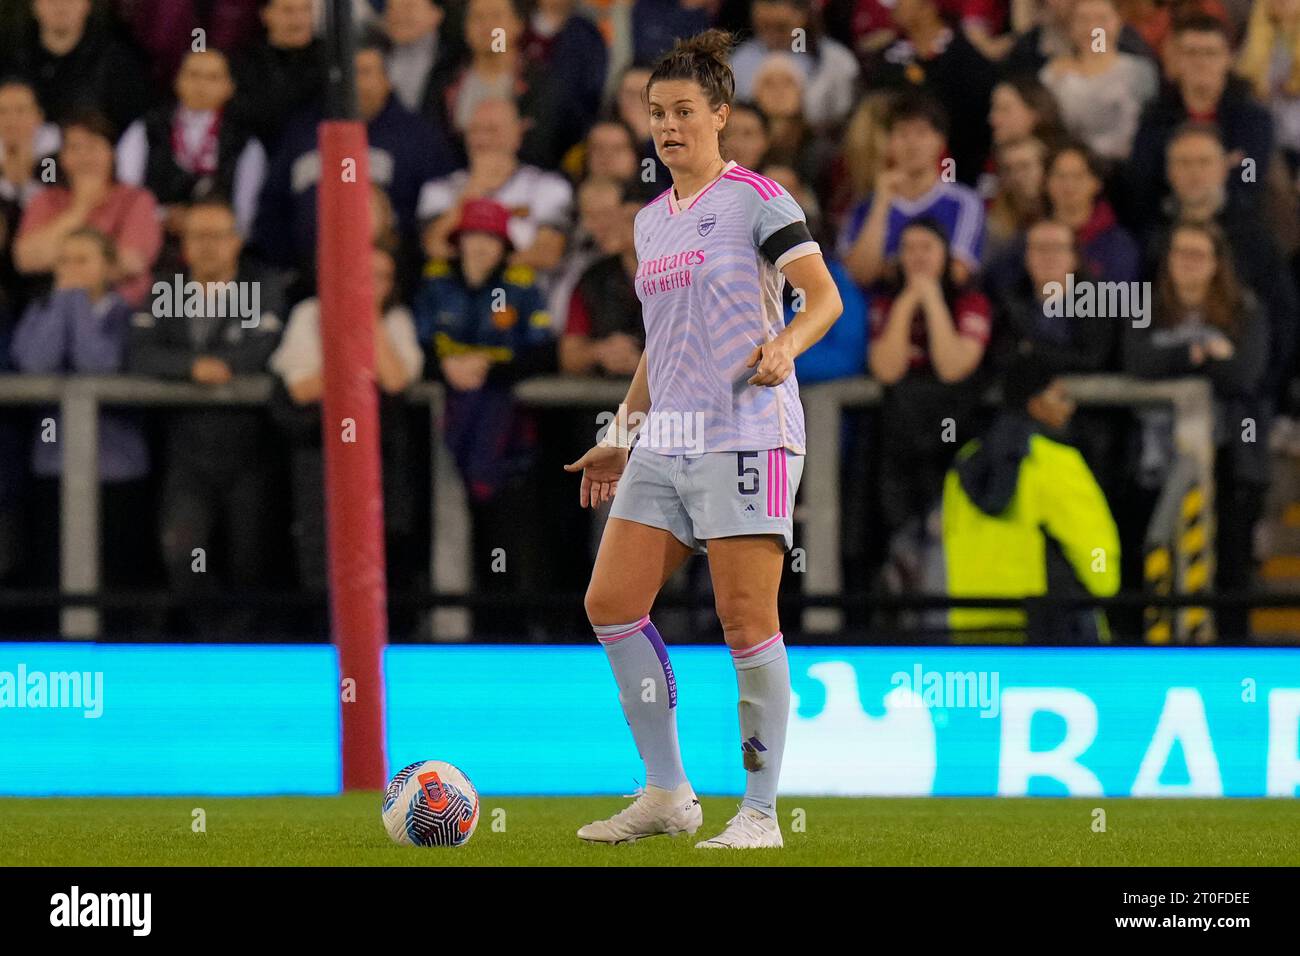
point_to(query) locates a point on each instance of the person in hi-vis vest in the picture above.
(1023, 516)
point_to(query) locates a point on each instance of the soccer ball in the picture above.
(430, 803)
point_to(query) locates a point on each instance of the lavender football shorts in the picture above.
(719, 494)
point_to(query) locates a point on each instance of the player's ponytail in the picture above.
(702, 58)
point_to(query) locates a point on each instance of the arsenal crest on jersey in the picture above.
(707, 223)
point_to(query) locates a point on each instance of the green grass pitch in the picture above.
(346, 831)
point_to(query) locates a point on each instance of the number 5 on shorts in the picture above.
(742, 472)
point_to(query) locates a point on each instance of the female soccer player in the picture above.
(720, 446)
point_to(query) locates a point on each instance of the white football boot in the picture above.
(747, 830)
(654, 811)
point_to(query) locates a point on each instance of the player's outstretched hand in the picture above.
(601, 468)
(772, 362)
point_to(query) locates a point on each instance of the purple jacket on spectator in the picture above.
(66, 332)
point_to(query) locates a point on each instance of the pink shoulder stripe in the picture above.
(763, 179)
(761, 188)
(758, 187)
(657, 198)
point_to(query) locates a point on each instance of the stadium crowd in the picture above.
(957, 160)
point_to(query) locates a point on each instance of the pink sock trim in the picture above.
(634, 629)
(758, 648)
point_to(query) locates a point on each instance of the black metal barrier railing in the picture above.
(528, 604)
(824, 599)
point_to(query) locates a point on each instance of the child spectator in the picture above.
(483, 324)
(81, 327)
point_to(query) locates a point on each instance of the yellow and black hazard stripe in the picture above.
(1197, 624)
(1158, 578)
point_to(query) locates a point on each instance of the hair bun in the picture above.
(702, 59)
(715, 44)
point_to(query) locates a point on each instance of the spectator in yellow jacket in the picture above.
(1023, 516)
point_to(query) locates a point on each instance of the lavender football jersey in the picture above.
(709, 280)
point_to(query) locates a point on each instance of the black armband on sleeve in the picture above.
(785, 239)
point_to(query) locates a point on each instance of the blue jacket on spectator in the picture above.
(405, 152)
(842, 351)
(451, 317)
(66, 332)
